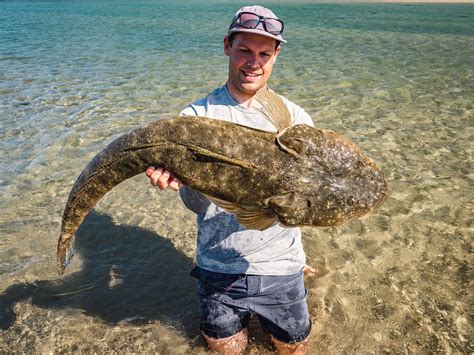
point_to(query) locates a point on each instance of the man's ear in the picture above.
(277, 51)
(226, 45)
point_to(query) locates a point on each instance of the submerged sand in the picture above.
(396, 282)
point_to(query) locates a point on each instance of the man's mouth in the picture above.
(250, 74)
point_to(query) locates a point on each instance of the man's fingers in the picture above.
(149, 171)
(163, 180)
(155, 175)
(175, 184)
(309, 271)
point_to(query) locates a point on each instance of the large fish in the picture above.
(301, 176)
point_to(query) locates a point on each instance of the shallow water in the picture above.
(397, 79)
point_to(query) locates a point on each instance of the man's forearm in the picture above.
(194, 200)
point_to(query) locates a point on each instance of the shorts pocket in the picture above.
(215, 280)
(284, 289)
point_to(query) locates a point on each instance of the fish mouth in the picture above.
(384, 194)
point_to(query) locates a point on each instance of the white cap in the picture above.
(260, 29)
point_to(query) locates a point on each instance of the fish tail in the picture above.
(65, 252)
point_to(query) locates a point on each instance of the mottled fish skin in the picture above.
(303, 176)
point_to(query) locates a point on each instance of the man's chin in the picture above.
(251, 88)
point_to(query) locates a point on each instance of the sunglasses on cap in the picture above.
(250, 20)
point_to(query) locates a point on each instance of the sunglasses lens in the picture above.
(274, 26)
(249, 20)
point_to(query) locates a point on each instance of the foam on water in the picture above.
(396, 79)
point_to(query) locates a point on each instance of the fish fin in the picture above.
(291, 208)
(292, 149)
(294, 140)
(65, 252)
(209, 154)
(274, 109)
(258, 219)
(252, 218)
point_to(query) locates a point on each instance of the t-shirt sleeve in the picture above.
(300, 116)
(194, 200)
(189, 111)
(197, 108)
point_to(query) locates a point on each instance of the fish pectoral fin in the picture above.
(258, 219)
(251, 218)
(291, 208)
(223, 158)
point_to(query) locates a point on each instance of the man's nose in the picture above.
(252, 61)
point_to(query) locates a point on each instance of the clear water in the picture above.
(397, 79)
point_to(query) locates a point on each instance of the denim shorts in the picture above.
(226, 302)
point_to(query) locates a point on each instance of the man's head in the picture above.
(252, 45)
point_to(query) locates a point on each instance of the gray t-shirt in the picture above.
(223, 245)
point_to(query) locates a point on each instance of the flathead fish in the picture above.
(300, 176)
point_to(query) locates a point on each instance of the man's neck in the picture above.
(244, 99)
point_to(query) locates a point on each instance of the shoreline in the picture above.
(451, 2)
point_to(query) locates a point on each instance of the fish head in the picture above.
(336, 200)
(337, 181)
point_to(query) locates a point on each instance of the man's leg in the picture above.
(298, 348)
(224, 319)
(283, 312)
(224, 327)
(233, 345)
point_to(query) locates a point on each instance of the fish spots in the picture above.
(352, 201)
(241, 165)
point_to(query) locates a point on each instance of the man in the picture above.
(243, 272)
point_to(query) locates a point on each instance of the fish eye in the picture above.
(352, 201)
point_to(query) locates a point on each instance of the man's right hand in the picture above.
(162, 178)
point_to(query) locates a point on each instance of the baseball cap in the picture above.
(257, 19)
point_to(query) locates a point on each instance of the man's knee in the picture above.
(233, 345)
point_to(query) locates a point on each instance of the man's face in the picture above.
(251, 59)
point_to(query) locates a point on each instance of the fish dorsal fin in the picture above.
(213, 155)
(252, 218)
(274, 108)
